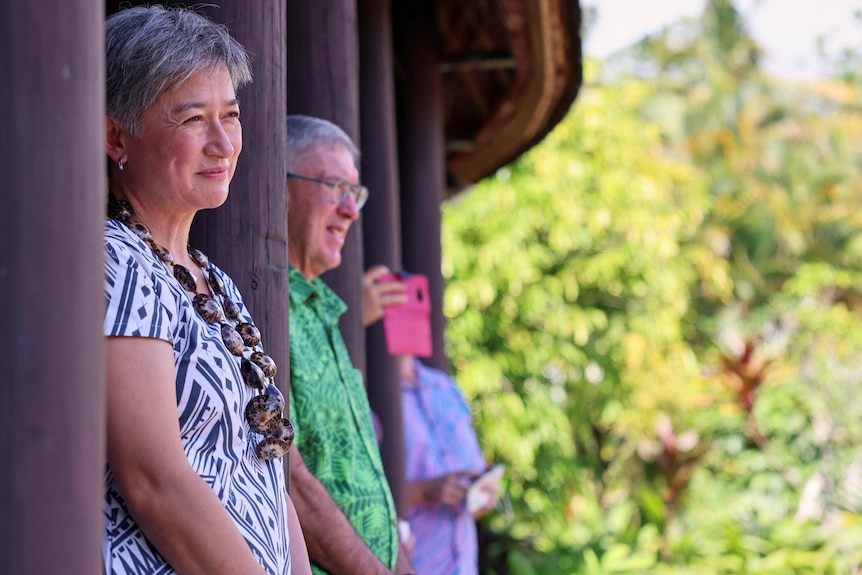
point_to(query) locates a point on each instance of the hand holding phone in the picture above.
(484, 491)
(378, 293)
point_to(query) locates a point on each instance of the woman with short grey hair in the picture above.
(196, 431)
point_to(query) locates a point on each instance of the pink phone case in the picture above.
(408, 326)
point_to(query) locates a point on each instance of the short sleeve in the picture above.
(132, 304)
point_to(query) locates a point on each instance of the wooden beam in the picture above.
(545, 42)
(52, 208)
(381, 224)
(472, 63)
(421, 161)
(247, 237)
(323, 81)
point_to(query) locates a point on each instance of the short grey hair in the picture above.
(151, 49)
(305, 132)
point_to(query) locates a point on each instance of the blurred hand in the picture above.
(450, 489)
(406, 537)
(378, 295)
(492, 491)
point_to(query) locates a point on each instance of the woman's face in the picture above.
(186, 157)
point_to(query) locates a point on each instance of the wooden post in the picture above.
(247, 237)
(52, 206)
(421, 155)
(323, 81)
(382, 223)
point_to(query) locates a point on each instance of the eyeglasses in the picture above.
(340, 190)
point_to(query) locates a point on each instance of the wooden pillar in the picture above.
(421, 155)
(323, 81)
(52, 206)
(382, 223)
(247, 236)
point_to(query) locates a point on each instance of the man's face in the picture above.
(317, 226)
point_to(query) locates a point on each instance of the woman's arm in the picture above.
(177, 511)
(299, 564)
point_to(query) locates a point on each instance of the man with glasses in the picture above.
(337, 481)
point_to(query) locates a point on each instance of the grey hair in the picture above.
(151, 49)
(304, 132)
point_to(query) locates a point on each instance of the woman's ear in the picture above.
(114, 139)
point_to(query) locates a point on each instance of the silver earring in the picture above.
(120, 164)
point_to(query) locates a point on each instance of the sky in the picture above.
(787, 29)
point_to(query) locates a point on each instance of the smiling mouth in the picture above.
(337, 232)
(214, 172)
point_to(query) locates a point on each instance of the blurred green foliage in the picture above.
(655, 314)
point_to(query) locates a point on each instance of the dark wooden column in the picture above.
(247, 237)
(323, 81)
(421, 155)
(382, 222)
(52, 198)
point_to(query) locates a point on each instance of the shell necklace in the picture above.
(264, 413)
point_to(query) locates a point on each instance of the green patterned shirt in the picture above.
(332, 419)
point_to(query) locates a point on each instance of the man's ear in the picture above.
(115, 139)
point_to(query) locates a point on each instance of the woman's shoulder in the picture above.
(120, 240)
(126, 253)
(119, 244)
(230, 287)
(231, 290)
(116, 232)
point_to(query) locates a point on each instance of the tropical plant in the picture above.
(655, 315)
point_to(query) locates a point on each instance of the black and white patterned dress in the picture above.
(144, 300)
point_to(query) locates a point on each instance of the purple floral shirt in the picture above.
(439, 439)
